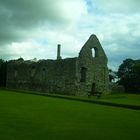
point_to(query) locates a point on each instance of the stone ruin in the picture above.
(87, 73)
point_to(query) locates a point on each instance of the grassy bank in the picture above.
(32, 117)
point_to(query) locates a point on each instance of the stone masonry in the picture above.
(87, 73)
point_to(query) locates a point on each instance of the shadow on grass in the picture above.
(77, 98)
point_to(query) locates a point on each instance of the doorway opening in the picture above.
(93, 89)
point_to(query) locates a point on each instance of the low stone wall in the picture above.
(115, 88)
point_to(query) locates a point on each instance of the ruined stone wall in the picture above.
(96, 67)
(57, 76)
(60, 75)
(18, 74)
(71, 76)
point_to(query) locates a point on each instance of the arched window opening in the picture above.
(94, 52)
(83, 74)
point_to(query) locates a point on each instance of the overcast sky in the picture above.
(33, 28)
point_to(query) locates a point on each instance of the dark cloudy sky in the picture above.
(33, 28)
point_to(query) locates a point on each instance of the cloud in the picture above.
(26, 49)
(34, 28)
(20, 17)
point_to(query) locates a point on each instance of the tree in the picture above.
(3, 73)
(129, 75)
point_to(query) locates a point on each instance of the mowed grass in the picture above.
(121, 98)
(34, 117)
(131, 99)
(117, 98)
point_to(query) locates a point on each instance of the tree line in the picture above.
(128, 75)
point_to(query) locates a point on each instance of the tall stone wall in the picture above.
(95, 65)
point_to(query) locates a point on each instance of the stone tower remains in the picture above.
(58, 51)
(71, 76)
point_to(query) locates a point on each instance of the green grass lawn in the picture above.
(131, 99)
(34, 117)
(122, 98)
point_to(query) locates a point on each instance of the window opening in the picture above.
(15, 72)
(32, 71)
(94, 52)
(83, 74)
(43, 73)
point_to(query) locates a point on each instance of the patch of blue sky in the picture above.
(92, 7)
(95, 9)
